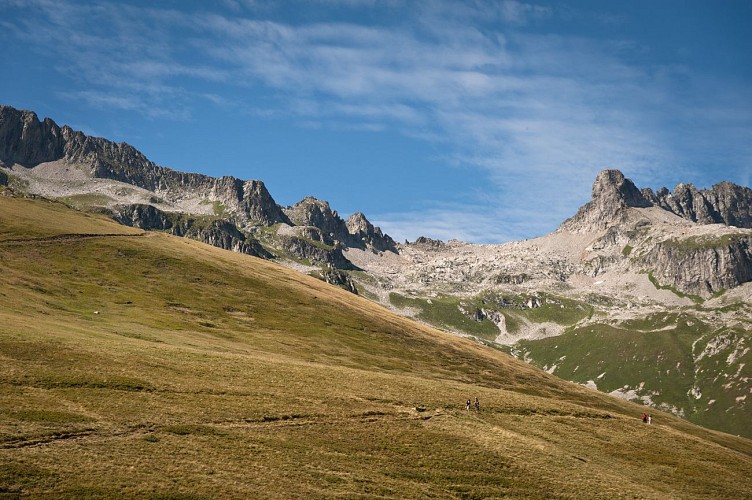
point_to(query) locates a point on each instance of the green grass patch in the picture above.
(86, 201)
(694, 243)
(694, 298)
(444, 312)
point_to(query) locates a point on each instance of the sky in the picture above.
(480, 120)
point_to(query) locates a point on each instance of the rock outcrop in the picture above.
(357, 232)
(428, 243)
(216, 232)
(338, 278)
(26, 140)
(363, 234)
(725, 203)
(702, 265)
(316, 213)
(316, 252)
(612, 195)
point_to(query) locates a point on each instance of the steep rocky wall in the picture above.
(26, 140)
(702, 266)
(724, 203)
(315, 253)
(218, 233)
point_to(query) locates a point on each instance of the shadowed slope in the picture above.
(141, 364)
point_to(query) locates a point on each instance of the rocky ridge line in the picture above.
(245, 205)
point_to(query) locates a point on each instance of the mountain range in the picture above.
(642, 294)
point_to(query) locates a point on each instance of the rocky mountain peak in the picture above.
(725, 203)
(317, 213)
(365, 234)
(612, 195)
(611, 188)
(26, 140)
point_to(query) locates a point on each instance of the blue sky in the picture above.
(478, 120)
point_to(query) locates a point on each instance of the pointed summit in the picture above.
(612, 194)
(611, 187)
(364, 234)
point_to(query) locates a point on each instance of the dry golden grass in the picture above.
(153, 366)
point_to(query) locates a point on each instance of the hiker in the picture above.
(477, 405)
(644, 418)
(650, 419)
(467, 405)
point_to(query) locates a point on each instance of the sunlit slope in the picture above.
(141, 364)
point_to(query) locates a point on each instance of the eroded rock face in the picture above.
(26, 140)
(313, 212)
(702, 265)
(363, 234)
(313, 252)
(686, 259)
(612, 194)
(725, 203)
(357, 232)
(218, 233)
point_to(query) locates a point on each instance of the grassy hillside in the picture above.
(674, 361)
(147, 365)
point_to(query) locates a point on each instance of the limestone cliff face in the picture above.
(679, 254)
(702, 265)
(26, 140)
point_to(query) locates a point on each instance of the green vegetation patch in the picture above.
(444, 312)
(694, 298)
(614, 357)
(86, 201)
(219, 209)
(694, 243)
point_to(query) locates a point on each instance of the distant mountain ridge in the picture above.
(725, 203)
(244, 205)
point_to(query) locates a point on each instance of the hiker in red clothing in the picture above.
(644, 418)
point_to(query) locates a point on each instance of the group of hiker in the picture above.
(477, 405)
(647, 419)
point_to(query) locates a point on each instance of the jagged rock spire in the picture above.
(612, 194)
